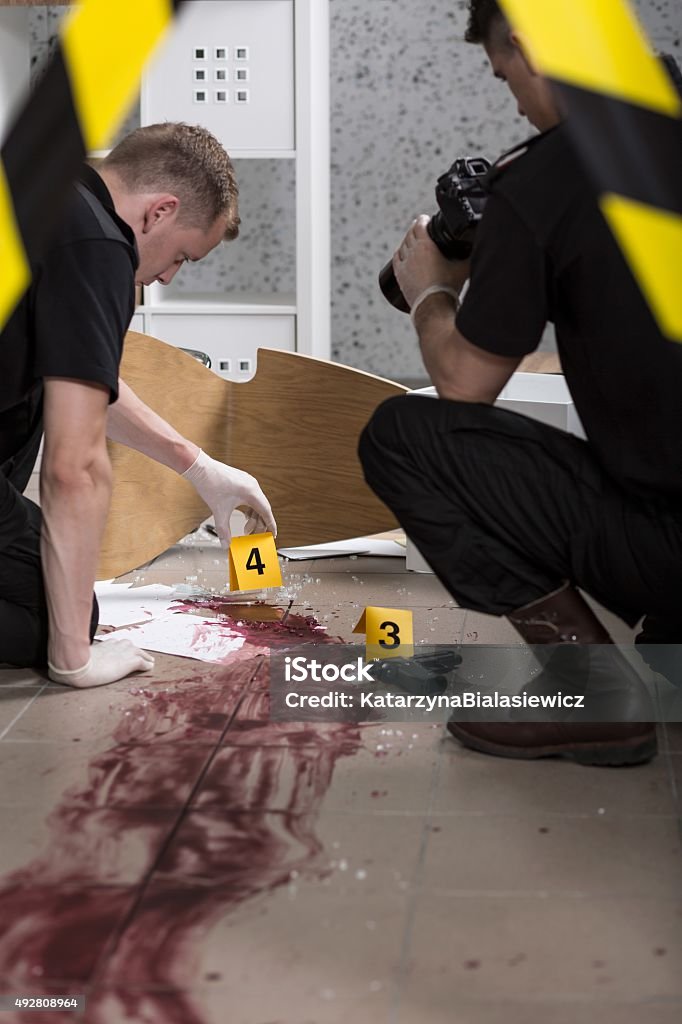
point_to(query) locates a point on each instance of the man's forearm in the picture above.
(459, 370)
(74, 506)
(435, 325)
(134, 424)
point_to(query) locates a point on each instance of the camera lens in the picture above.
(391, 289)
(451, 248)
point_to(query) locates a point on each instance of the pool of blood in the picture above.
(262, 625)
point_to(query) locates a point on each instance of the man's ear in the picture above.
(518, 41)
(159, 209)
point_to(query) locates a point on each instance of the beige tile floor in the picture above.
(180, 860)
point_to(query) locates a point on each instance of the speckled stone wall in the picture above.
(408, 96)
(262, 260)
(43, 25)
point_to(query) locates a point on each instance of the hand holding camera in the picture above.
(418, 264)
(461, 197)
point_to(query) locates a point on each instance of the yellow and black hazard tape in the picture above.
(625, 115)
(78, 106)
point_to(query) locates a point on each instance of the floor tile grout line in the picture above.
(562, 1000)
(112, 945)
(22, 712)
(677, 801)
(607, 896)
(394, 1012)
(410, 915)
(672, 779)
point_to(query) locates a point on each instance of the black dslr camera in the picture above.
(461, 197)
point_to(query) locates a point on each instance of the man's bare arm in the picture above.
(75, 488)
(222, 487)
(459, 370)
(134, 424)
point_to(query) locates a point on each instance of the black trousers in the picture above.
(23, 608)
(504, 509)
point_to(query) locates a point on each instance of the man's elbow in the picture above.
(65, 469)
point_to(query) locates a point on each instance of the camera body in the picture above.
(421, 674)
(461, 195)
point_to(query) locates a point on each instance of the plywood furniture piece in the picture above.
(540, 362)
(295, 426)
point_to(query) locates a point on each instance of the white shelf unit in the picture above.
(230, 333)
(283, 46)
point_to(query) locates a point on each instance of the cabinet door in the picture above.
(230, 341)
(228, 65)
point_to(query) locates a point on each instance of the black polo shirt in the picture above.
(70, 323)
(544, 252)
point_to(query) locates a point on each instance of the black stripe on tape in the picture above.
(42, 156)
(43, 153)
(629, 150)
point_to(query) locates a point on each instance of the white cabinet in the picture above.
(229, 66)
(230, 340)
(138, 323)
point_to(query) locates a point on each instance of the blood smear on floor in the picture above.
(135, 950)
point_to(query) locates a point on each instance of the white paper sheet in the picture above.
(192, 636)
(121, 604)
(381, 546)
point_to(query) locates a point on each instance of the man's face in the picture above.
(531, 91)
(164, 245)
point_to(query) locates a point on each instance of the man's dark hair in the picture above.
(487, 23)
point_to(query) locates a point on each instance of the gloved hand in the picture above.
(224, 489)
(107, 663)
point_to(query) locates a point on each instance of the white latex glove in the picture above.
(224, 489)
(108, 662)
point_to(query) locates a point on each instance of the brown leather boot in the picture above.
(562, 617)
(610, 685)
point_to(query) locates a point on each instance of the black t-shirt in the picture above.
(70, 323)
(544, 252)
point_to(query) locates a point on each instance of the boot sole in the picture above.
(638, 750)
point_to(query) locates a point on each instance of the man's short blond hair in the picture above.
(187, 161)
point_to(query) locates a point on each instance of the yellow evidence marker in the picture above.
(254, 563)
(389, 632)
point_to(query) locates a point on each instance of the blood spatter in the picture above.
(259, 626)
(472, 965)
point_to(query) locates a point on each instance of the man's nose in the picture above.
(522, 112)
(169, 274)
